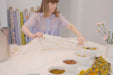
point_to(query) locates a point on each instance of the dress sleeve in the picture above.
(63, 20)
(31, 21)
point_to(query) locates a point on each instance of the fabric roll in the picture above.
(22, 22)
(12, 27)
(16, 29)
(19, 26)
(9, 26)
(26, 17)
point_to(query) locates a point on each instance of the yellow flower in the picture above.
(87, 71)
(84, 55)
(96, 70)
(44, 38)
(79, 55)
(90, 69)
(82, 72)
(94, 48)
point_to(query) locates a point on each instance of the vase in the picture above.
(4, 46)
(109, 50)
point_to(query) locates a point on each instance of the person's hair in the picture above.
(44, 7)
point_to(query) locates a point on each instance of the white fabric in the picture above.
(40, 54)
(48, 43)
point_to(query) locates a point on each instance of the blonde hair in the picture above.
(44, 7)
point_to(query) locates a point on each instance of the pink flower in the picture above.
(108, 30)
(112, 39)
(97, 24)
(105, 37)
(112, 31)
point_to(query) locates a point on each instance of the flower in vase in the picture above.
(98, 30)
(105, 37)
(106, 33)
(98, 24)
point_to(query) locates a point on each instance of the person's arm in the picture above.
(27, 32)
(68, 25)
(72, 28)
(29, 25)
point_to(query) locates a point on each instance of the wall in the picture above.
(84, 14)
(20, 4)
(3, 13)
(89, 12)
(111, 21)
(93, 12)
(23, 4)
(64, 8)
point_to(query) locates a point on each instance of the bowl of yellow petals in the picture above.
(56, 70)
(91, 50)
(70, 65)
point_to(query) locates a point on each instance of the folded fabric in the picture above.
(48, 42)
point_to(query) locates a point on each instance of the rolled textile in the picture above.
(26, 16)
(22, 22)
(19, 26)
(16, 29)
(12, 26)
(9, 26)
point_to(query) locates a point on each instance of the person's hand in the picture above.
(38, 34)
(81, 40)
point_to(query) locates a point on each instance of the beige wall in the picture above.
(84, 14)
(64, 8)
(3, 13)
(93, 11)
(23, 4)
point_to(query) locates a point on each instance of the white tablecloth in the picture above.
(38, 61)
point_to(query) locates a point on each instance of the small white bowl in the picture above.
(56, 67)
(82, 60)
(92, 53)
(70, 67)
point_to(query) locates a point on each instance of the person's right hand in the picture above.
(38, 34)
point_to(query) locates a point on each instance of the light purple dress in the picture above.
(50, 25)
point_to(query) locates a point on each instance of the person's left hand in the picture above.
(81, 40)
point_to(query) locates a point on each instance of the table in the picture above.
(38, 61)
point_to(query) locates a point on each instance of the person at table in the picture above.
(47, 20)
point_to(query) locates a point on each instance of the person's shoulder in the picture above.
(35, 14)
(60, 15)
